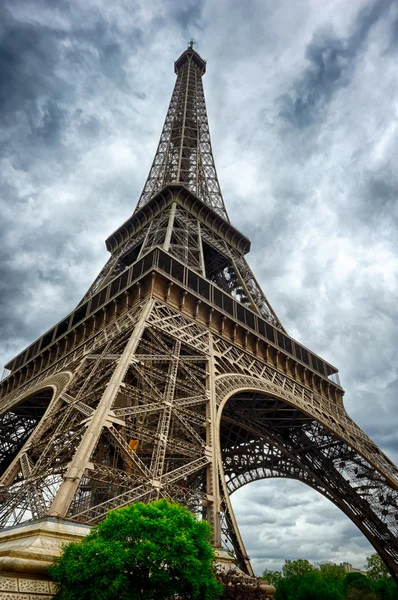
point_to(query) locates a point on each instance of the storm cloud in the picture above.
(332, 61)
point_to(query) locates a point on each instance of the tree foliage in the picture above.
(149, 551)
(296, 568)
(386, 589)
(300, 580)
(358, 587)
(375, 567)
(313, 587)
(273, 577)
(331, 573)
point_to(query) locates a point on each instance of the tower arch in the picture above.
(19, 422)
(21, 415)
(265, 433)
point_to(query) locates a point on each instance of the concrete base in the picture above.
(226, 564)
(224, 561)
(26, 552)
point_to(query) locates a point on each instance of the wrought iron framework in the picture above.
(174, 377)
(184, 154)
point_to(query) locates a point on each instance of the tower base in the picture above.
(26, 552)
(225, 565)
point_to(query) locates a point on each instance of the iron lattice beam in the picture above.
(184, 154)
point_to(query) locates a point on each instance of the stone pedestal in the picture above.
(224, 561)
(226, 564)
(26, 552)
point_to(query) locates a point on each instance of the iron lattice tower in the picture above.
(174, 377)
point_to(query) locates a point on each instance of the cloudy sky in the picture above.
(302, 98)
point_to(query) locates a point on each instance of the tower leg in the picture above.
(80, 461)
(212, 478)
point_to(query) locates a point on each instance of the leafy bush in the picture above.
(358, 587)
(313, 587)
(154, 551)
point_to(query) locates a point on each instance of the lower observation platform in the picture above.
(219, 310)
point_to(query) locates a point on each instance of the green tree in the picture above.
(382, 589)
(313, 587)
(386, 589)
(286, 589)
(375, 567)
(332, 574)
(392, 590)
(272, 577)
(358, 587)
(296, 568)
(141, 552)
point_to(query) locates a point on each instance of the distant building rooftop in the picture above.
(348, 568)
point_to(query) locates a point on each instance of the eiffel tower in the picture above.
(174, 378)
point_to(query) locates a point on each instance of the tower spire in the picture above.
(184, 155)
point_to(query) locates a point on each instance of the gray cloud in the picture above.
(394, 36)
(53, 73)
(331, 63)
(187, 15)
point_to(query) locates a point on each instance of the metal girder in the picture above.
(262, 437)
(184, 154)
(151, 439)
(116, 263)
